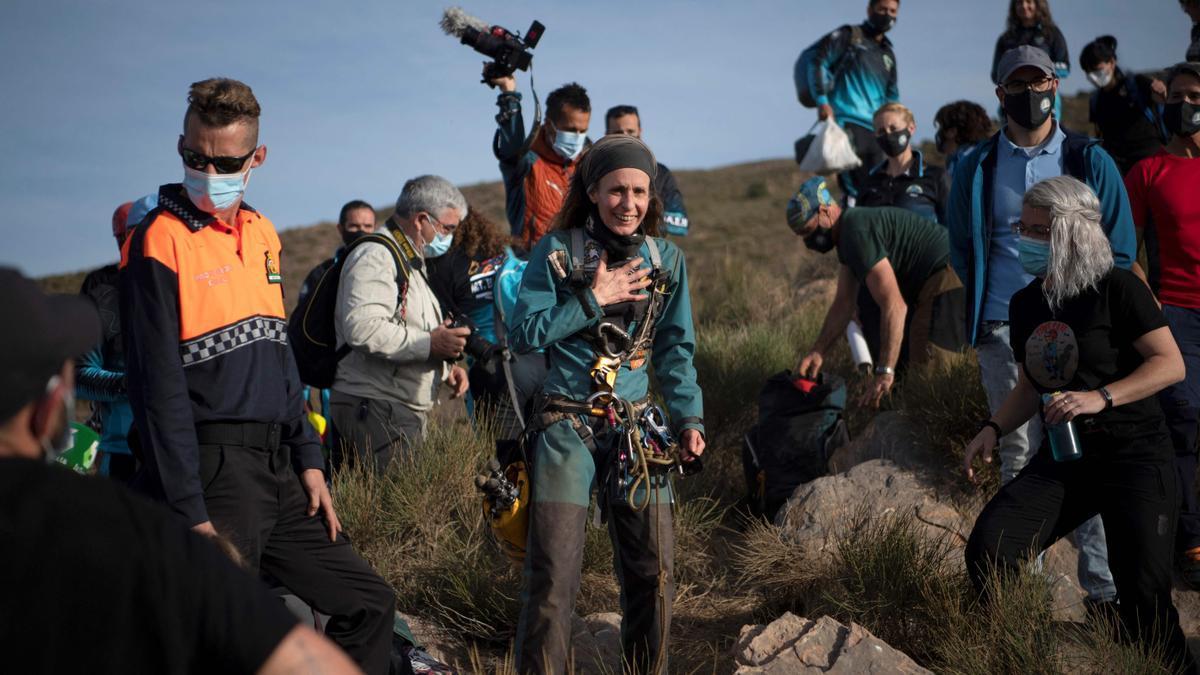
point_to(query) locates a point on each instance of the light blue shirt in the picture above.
(1017, 170)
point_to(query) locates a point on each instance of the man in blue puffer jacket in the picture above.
(853, 74)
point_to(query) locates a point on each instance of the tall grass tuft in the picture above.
(420, 524)
(1013, 632)
(946, 401)
(888, 574)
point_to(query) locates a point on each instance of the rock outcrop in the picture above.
(596, 643)
(817, 512)
(793, 644)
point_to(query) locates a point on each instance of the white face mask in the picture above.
(1100, 78)
(63, 440)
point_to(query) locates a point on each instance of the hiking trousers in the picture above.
(564, 470)
(372, 430)
(1181, 405)
(1137, 501)
(255, 499)
(933, 325)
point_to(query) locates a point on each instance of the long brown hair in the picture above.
(578, 207)
(1041, 14)
(479, 237)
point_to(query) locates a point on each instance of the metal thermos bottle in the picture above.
(1064, 441)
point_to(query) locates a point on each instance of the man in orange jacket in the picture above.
(537, 177)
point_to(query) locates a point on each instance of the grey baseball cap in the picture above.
(1022, 57)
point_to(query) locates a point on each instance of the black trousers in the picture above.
(255, 498)
(1137, 500)
(868, 150)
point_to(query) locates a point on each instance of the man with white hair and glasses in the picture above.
(401, 348)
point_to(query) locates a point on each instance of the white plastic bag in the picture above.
(830, 151)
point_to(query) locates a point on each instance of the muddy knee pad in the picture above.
(643, 558)
(563, 472)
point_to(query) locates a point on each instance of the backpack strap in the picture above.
(578, 273)
(655, 256)
(857, 37)
(403, 267)
(1074, 149)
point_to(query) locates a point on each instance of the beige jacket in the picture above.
(389, 358)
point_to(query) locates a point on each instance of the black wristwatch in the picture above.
(1108, 402)
(995, 427)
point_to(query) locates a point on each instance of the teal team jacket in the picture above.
(549, 314)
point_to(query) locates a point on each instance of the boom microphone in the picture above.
(455, 22)
(509, 51)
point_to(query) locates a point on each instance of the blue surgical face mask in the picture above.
(569, 143)
(214, 192)
(439, 245)
(1034, 256)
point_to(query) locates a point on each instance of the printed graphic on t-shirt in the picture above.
(1052, 354)
(483, 277)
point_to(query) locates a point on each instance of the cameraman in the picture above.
(537, 175)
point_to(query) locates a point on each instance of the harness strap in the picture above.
(655, 256)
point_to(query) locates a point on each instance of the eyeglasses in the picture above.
(448, 228)
(1015, 87)
(199, 162)
(1040, 231)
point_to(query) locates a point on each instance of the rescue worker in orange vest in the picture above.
(213, 385)
(538, 173)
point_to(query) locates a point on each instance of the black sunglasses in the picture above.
(199, 162)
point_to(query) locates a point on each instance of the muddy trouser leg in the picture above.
(563, 470)
(643, 557)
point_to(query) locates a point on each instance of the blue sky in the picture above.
(358, 96)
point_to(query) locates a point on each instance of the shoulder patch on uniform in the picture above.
(591, 254)
(888, 62)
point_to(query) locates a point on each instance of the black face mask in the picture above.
(881, 22)
(620, 248)
(350, 237)
(820, 240)
(1029, 109)
(1182, 119)
(894, 142)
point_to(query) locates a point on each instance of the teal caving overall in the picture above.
(595, 426)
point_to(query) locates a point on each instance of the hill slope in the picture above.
(752, 196)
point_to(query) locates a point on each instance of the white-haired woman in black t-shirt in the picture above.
(1094, 345)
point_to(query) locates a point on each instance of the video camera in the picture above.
(509, 51)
